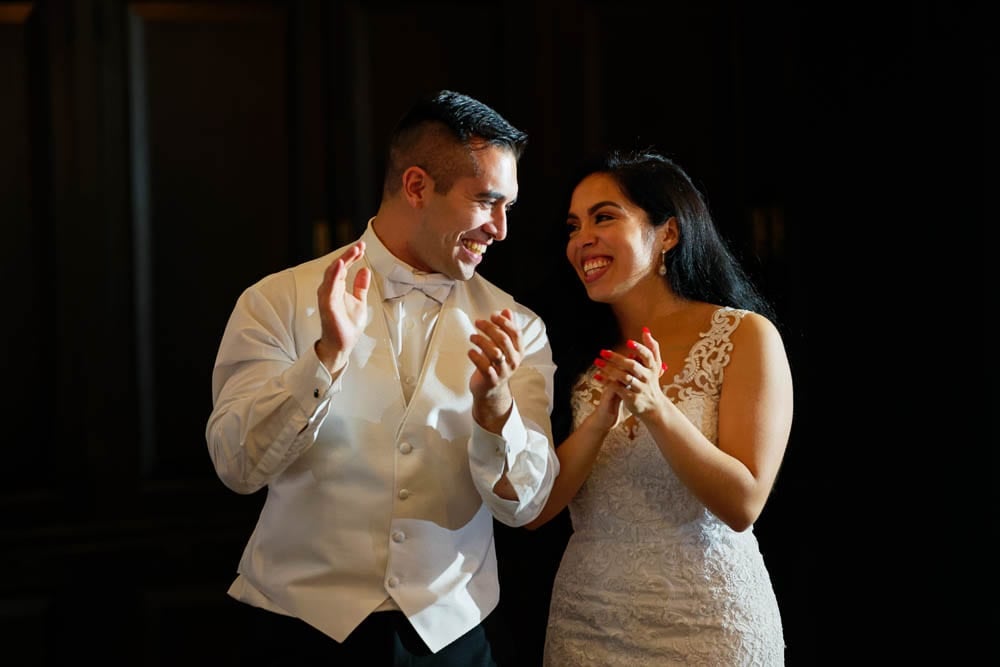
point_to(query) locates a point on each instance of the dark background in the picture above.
(157, 158)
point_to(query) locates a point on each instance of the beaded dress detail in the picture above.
(650, 576)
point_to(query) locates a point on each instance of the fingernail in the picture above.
(645, 330)
(663, 365)
(598, 377)
(600, 363)
(606, 354)
(631, 344)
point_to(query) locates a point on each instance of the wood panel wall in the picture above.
(156, 158)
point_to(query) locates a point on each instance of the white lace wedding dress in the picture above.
(651, 577)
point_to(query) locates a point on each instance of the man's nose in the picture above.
(497, 228)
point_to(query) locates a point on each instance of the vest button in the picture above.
(405, 447)
(392, 582)
(404, 494)
(398, 536)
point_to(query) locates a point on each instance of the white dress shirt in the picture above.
(375, 492)
(411, 319)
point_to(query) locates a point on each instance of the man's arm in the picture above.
(511, 453)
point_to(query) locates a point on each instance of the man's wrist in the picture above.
(328, 357)
(490, 416)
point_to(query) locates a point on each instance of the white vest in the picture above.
(383, 503)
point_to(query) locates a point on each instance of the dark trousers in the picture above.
(384, 639)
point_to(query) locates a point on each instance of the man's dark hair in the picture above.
(440, 133)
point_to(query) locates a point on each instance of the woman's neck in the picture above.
(645, 305)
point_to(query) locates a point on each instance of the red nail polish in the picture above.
(663, 365)
(606, 354)
(598, 377)
(600, 363)
(631, 344)
(645, 330)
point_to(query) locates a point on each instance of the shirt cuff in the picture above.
(490, 450)
(490, 454)
(309, 381)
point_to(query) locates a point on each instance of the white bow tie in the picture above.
(401, 280)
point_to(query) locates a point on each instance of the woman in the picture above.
(680, 417)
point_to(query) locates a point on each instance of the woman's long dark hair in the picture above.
(700, 266)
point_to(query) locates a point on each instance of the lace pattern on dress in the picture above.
(650, 576)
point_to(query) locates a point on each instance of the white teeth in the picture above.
(594, 264)
(478, 248)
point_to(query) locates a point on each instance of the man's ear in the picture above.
(417, 185)
(670, 232)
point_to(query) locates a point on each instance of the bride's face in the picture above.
(612, 245)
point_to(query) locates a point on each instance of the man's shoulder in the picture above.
(482, 288)
(290, 279)
(316, 264)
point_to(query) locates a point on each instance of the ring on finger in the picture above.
(628, 385)
(501, 358)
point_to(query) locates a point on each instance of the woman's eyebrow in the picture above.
(604, 203)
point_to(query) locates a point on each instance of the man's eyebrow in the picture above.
(499, 196)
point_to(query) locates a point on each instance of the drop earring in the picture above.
(663, 263)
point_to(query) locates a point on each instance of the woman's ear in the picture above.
(670, 234)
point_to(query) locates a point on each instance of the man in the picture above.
(389, 426)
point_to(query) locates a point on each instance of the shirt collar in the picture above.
(383, 263)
